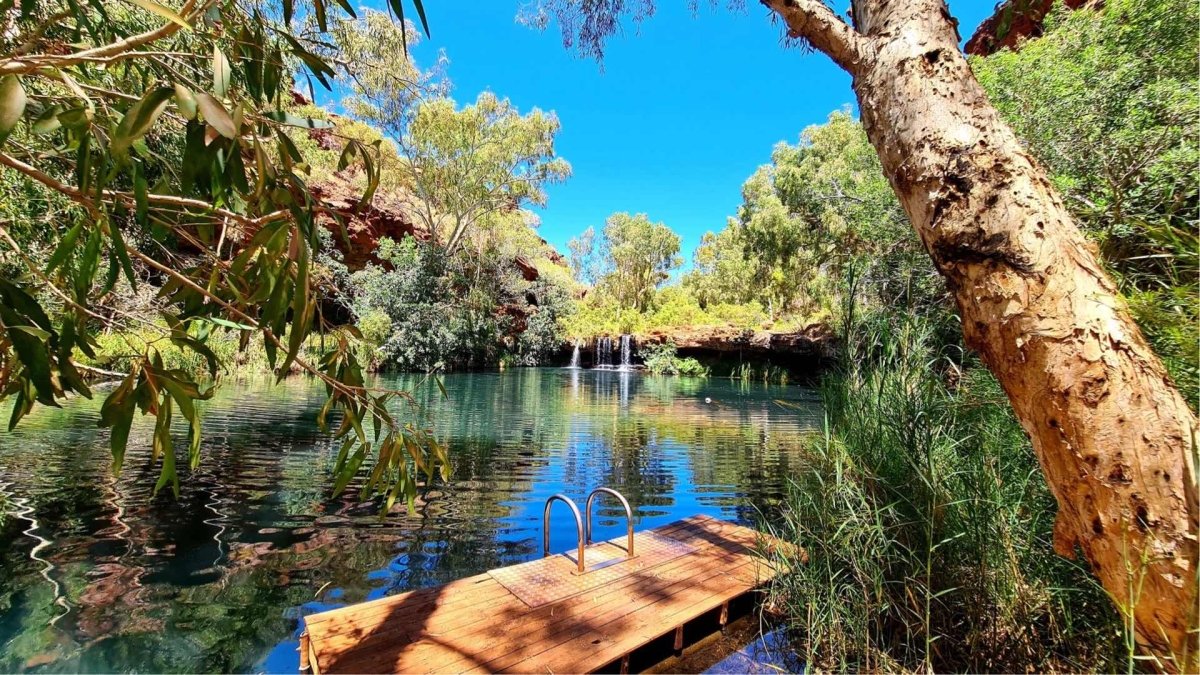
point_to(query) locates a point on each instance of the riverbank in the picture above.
(927, 528)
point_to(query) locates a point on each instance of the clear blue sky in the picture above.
(684, 111)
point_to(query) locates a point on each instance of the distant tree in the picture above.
(720, 269)
(1115, 437)
(637, 255)
(584, 257)
(470, 163)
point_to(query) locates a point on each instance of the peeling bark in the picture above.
(1115, 439)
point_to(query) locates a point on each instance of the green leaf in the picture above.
(164, 448)
(75, 118)
(421, 13)
(216, 115)
(229, 324)
(165, 12)
(118, 245)
(32, 352)
(297, 121)
(12, 104)
(17, 298)
(289, 148)
(319, 10)
(301, 309)
(139, 118)
(64, 248)
(117, 413)
(186, 100)
(222, 72)
(35, 332)
(48, 121)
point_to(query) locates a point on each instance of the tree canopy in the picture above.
(193, 182)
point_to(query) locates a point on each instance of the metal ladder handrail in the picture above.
(578, 526)
(628, 515)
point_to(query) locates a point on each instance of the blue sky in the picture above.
(684, 110)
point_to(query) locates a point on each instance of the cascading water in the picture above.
(626, 352)
(604, 352)
(575, 357)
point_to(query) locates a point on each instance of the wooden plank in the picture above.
(350, 629)
(590, 644)
(524, 640)
(439, 664)
(498, 630)
(476, 624)
(599, 647)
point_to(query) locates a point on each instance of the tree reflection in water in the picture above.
(97, 576)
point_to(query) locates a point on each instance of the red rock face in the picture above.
(385, 216)
(1013, 22)
(815, 339)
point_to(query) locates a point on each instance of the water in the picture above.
(575, 357)
(97, 576)
(603, 352)
(626, 352)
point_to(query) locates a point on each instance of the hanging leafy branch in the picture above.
(166, 131)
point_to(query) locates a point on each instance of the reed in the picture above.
(925, 526)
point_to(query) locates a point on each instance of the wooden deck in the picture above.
(478, 625)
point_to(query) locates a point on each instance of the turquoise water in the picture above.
(96, 576)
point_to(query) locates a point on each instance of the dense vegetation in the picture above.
(155, 236)
(925, 525)
(217, 221)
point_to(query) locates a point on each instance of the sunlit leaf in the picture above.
(222, 73)
(165, 12)
(216, 115)
(12, 104)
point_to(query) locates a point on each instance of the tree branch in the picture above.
(163, 200)
(814, 21)
(110, 52)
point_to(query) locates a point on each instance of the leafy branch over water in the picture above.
(195, 186)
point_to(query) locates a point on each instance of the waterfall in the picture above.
(604, 352)
(626, 351)
(575, 356)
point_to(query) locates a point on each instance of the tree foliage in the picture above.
(1108, 100)
(192, 182)
(633, 257)
(472, 163)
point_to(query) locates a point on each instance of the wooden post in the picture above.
(724, 620)
(625, 665)
(679, 640)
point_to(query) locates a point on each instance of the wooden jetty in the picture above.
(545, 616)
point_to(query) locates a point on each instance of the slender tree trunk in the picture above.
(1116, 440)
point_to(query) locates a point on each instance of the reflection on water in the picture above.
(97, 576)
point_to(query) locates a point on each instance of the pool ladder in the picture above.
(583, 527)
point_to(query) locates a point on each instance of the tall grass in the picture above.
(768, 373)
(925, 526)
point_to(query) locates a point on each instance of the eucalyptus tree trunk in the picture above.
(1115, 438)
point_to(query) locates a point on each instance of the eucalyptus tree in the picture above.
(166, 128)
(629, 261)
(1114, 436)
(478, 161)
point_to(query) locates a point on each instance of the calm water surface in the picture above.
(96, 576)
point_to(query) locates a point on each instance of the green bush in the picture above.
(432, 312)
(663, 359)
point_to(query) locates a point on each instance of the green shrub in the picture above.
(433, 312)
(663, 359)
